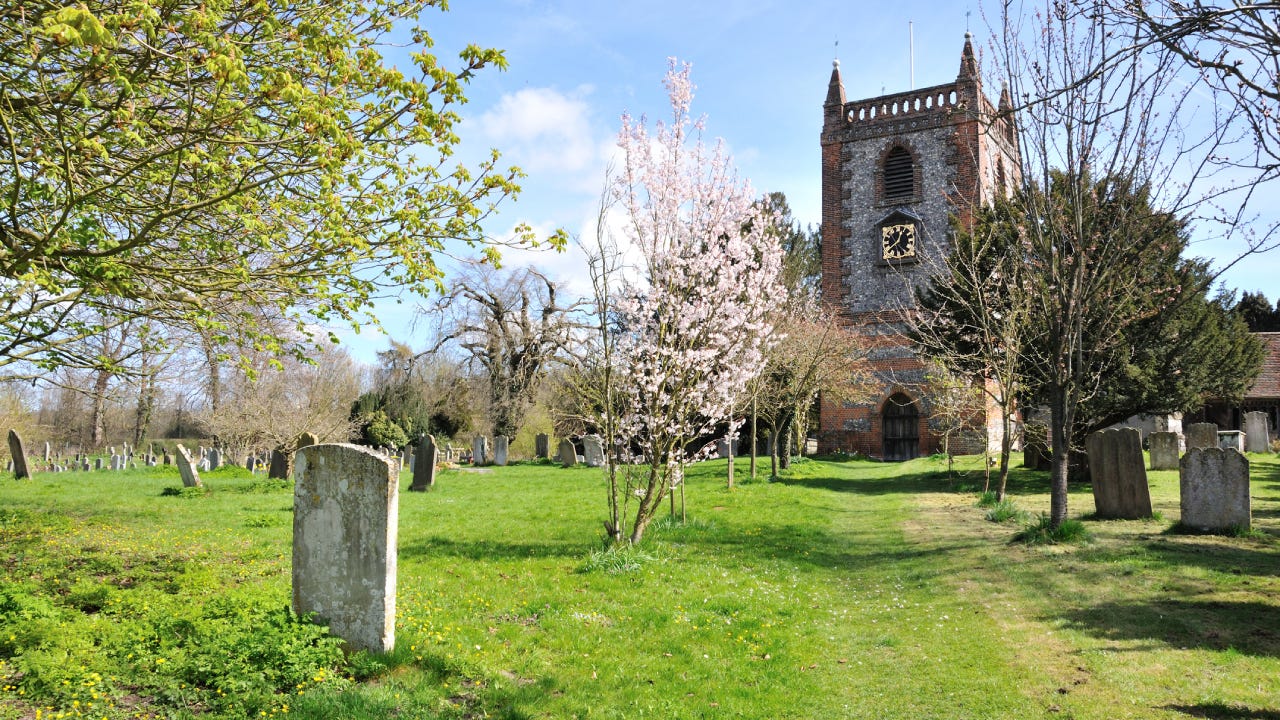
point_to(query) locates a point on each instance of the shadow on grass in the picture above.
(1261, 562)
(1248, 627)
(1218, 711)
(490, 550)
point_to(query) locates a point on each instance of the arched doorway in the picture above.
(901, 424)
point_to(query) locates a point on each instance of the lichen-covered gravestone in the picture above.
(1164, 450)
(480, 451)
(1202, 435)
(18, 452)
(1257, 436)
(541, 446)
(424, 465)
(345, 510)
(568, 453)
(186, 469)
(1215, 490)
(1118, 474)
(593, 451)
(306, 439)
(500, 447)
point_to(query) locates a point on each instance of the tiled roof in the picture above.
(1268, 383)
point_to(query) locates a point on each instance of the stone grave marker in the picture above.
(345, 510)
(424, 467)
(117, 462)
(1164, 450)
(215, 458)
(480, 451)
(18, 453)
(593, 451)
(47, 451)
(500, 447)
(568, 453)
(1202, 435)
(279, 467)
(306, 439)
(97, 463)
(168, 459)
(187, 470)
(1118, 474)
(251, 463)
(1215, 490)
(1257, 436)
(1233, 439)
(541, 446)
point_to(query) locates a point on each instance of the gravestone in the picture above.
(345, 510)
(725, 448)
(424, 467)
(480, 450)
(47, 451)
(186, 470)
(1257, 436)
(279, 467)
(306, 439)
(593, 450)
(1164, 450)
(215, 458)
(251, 463)
(568, 453)
(117, 462)
(18, 452)
(1231, 439)
(1215, 490)
(97, 463)
(1202, 435)
(1118, 474)
(541, 446)
(168, 459)
(500, 446)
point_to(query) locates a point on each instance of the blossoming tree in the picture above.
(694, 326)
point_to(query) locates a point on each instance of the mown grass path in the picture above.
(847, 590)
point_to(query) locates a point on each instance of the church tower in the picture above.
(895, 170)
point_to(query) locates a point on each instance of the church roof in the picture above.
(1267, 385)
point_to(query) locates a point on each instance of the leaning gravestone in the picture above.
(568, 453)
(593, 451)
(1202, 435)
(1257, 436)
(18, 452)
(541, 446)
(345, 510)
(480, 451)
(1164, 450)
(1118, 474)
(500, 447)
(424, 467)
(190, 478)
(1215, 490)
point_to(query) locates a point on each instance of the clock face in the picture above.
(898, 241)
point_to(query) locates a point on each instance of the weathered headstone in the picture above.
(18, 453)
(1164, 450)
(568, 453)
(215, 458)
(97, 463)
(279, 467)
(480, 450)
(424, 465)
(1257, 436)
(47, 451)
(1215, 490)
(117, 462)
(306, 439)
(1202, 435)
(345, 510)
(187, 470)
(168, 459)
(1118, 474)
(593, 451)
(1231, 439)
(541, 446)
(251, 463)
(500, 447)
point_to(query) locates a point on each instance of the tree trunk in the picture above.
(146, 406)
(214, 386)
(102, 378)
(785, 441)
(1006, 448)
(730, 464)
(754, 441)
(1060, 442)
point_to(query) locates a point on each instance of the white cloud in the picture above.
(544, 130)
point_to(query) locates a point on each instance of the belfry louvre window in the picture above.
(899, 176)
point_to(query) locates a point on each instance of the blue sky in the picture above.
(761, 68)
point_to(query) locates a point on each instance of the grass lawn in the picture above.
(849, 589)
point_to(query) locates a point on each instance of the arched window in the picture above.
(898, 177)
